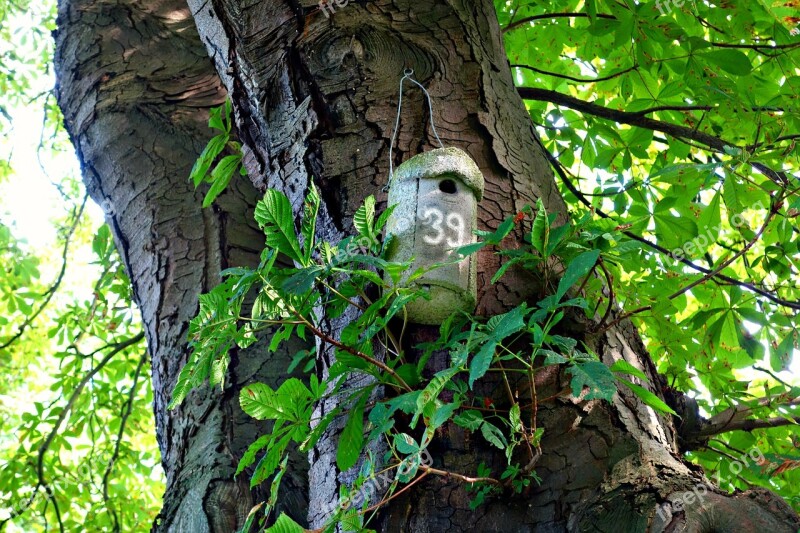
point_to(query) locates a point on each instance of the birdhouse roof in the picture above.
(441, 162)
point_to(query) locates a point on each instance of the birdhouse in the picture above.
(436, 195)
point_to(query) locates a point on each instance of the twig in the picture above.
(123, 421)
(50, 292)
(641, 121)
(745, 285)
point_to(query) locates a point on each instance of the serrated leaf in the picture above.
(435, 387)
(287, 403)
(308, 227)
(406, 444)
(384, 217)
(364, 219)
(268, 464)
(442, 414)
(648, 397)
(595, 376)
(481, 362)
(214, 147)
(514, 418)
(732, 61)
(540, 235)
(351, 441)
(493, 434)
(501, 326)
(624, 367)
(284, 524)
(274, 216)
(470, 420)
(578, 268)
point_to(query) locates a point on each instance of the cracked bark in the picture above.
(315, 100)
(135, 85)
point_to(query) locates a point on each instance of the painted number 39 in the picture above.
(434, 218)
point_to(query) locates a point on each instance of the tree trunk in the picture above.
(315, 96)
(135, 86)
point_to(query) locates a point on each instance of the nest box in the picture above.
(436, 195)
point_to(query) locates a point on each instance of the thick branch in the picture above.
(638, 120)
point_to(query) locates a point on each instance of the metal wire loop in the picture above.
(408, 75)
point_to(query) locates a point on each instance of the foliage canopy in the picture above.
(673, 131)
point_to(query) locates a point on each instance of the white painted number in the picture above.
(455, 222)
(433, 218)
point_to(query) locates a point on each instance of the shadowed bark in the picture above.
(135, 86)
(315, 100)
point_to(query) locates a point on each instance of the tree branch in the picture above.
(736, 418)
(123, 422)
(572, 78)
(548, 16)
(745, 285)
(638, 120)
(50, 292)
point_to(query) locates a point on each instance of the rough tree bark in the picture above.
(315, 100)
(135, 86)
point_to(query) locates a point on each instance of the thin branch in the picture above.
(352, 351)
(641, 121)
(548, 16)
(745, 285)
(749, 425)
(736, 418)
(123, 421)
(41, 481)
(50, 292)
(572, 78)
(465, 479)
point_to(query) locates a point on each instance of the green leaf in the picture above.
(674, 231)
(442, 414)
(274, 216)
(287, 403)
(351, 442)
(303, 280)
(364, 219)
(514, 418)
(221, 177)
(437, 384)
(215, 119)
(481, 362)
(502, 326)
(406, 444)
(470, 420)
(577, 269)
(309, 225)
(493, 434)
(384, 217)
(268, 464)
(729, 60)
(284, 524)
(214, 147)
(595, 376)
(624, 367)
(648, 397)
(540, 235)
